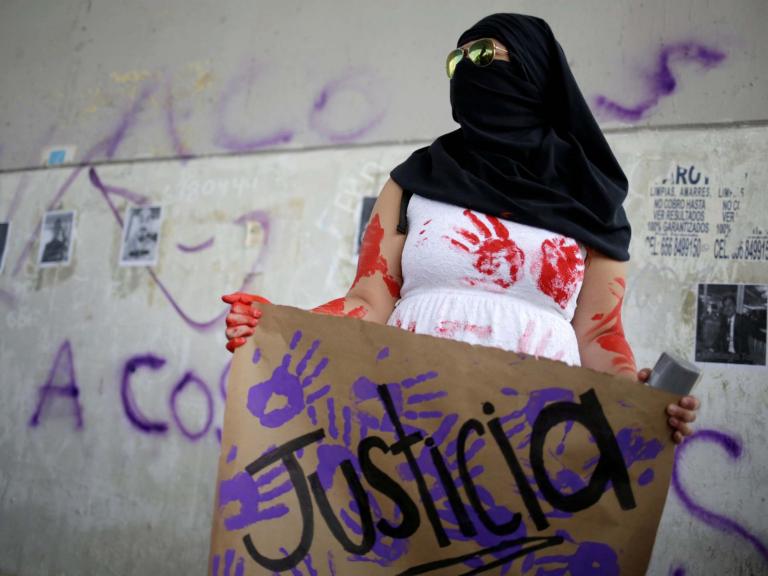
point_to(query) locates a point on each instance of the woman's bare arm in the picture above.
(376, 287)
(600, 334)
(377, 284)
(597, 320)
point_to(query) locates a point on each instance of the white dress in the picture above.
(488, 281)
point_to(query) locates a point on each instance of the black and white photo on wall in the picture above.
(141, 236)
(56, 239)
(5, 232)
(731, 324)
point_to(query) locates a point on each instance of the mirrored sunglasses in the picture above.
(480, 53)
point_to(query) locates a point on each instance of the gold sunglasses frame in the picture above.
(465, 54)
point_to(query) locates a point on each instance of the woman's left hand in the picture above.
(681, 415)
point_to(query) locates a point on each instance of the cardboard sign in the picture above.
(355, 448)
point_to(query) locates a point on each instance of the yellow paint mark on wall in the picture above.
(203, 75)
(98, 99)
(203, 81)
(130, 77)
(688, 309)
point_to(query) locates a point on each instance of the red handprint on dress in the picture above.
(561, 269)
(497, 257)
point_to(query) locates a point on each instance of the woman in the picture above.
(516, 235)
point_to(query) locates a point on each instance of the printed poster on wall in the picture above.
(355, 448)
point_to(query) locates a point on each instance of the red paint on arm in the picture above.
(371, 261)
(336, 308)
(611, 332)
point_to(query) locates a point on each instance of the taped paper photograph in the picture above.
(56, 239)
(5, 229)
(141, 236)
(731, 324)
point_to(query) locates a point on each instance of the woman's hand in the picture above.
(680, 415)
(242, 318)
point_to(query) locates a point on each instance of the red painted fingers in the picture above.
(242, 318)
(245, 298)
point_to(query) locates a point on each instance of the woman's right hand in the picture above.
(242, 318)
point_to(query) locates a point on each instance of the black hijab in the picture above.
(529, 149)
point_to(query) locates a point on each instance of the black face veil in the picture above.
(528, 149)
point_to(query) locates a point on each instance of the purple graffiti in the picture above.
(130, 406)
(33, 236)
(127, 121)
(383, 354)
(205, 325)
(662, 82)
(241, 85)
(232, 454)
(170, 124)
(7, 298)
(355, 83)
(677, 571)
(191, 378)
(263, 219)
(108, 191)
(192, 323)
(287, 385)
(20, 189)
(108, 145)
(196, 247)
(143, 423)
(229, 563)
(63, 368)
(733, 449)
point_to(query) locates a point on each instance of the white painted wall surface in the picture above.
(111, 498)
(236, 76)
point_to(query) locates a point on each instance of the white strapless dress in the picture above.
(488, 281)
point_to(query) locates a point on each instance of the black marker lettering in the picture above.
(509, 527)
(363, 506)
(403, 445)
(454, 499)
(610, 466)
(386, 485)
(526, 492)
(287, 453)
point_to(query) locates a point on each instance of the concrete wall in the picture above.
(111, 379)
(190, 77)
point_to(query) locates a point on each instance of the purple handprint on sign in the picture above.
(254, 496)
(226, 570)
(329, 457)
(590, 559)
(296, 571)
(286, 384)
